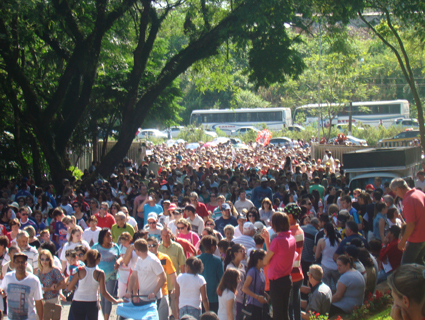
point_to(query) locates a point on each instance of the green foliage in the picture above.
(192, 133)
(220, 132)
(76, 172)
(248, 136)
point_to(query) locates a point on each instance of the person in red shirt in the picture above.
(104, 219)
(413, 240)
(390, 253)
(201, 209)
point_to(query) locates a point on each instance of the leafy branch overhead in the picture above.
(74, 65)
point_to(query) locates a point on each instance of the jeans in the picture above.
(295, 301)
(85, 310)
(279, 293)
(382, 276)
(105, 304)
(194, 312)
(140, 222)
(414, 253)
(330, 278)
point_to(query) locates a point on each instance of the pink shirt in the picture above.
(191, 236)
(283, 247)
(414, 211)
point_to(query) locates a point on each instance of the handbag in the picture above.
(247, 308)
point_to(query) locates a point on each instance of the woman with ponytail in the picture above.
(234, 257)
(255, 284)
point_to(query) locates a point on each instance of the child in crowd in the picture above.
(44, 236)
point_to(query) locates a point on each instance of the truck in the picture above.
(364, 165)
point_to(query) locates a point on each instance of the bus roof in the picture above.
(202, 111)
(356, 103)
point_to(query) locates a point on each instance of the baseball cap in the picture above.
(113, 176)
(153, 216)
(258, 225)
(370, 187)
(241, 216)
(14, 205)
(164, 188)
(20, 254)
(172, 206)
(264, 179)
(225, 206)
(248, 226)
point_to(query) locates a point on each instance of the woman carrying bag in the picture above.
(256, 298)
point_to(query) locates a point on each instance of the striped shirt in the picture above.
(298, 233)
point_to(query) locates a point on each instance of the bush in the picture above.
(193, 134)
(76, 172)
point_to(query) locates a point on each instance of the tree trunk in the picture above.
(36, 161)
(94, 141)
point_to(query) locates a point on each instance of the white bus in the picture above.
(232, 119)
(379, 112)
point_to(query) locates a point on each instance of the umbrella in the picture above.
(192, 146)
(211, 144)
(180, 141)
(241, 146)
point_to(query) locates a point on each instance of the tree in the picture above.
(52, 55)
(395, 16)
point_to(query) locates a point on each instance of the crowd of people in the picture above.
(213, 234)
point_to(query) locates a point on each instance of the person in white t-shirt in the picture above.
(195, 221)
(191, 289)
(148, 276)
(243, 202)
(91, 234)
(420, 183)
(226, 294)
(23, 290)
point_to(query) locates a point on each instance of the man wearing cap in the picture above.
(104, 219)
(225, 219)
(23, 290)
(413, 240)
(147, 207)
(152, 226)
(261, 192)
(201, 209)
(121, 226)
(195, 221)
(243, 202)
(241, 219)
(25, 222)
(319, 294)
(246, 239)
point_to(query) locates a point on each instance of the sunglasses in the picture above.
(44, 259)
(151, 222)
(210, 225)
(81, 254)
(251, 216)
(24, 214)
(182, 228)
(152, 245)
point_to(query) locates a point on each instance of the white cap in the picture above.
(153, 216)
(264, 179)
(248, 226)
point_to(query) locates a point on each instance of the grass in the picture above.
(384, 315)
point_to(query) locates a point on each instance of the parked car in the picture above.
(344, 127)
(281, 141)
(296, 128)
(354, 141)
(407, 123)
(173, 132)
(243, 130)
(402, 139)
(150, 133)
(211, 133)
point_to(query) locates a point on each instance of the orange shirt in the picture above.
(168, 266)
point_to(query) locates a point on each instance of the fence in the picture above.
(84, 160)
(318, 150)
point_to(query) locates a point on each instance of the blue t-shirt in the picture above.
(29, 223)
(378, 217)
(148, 209)
(107, 260)
(220, 223)
(347, 241)
(259, 193)
(61, 232)
(257, 285)
(355, 215)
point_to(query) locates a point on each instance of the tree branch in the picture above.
(63, 9)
